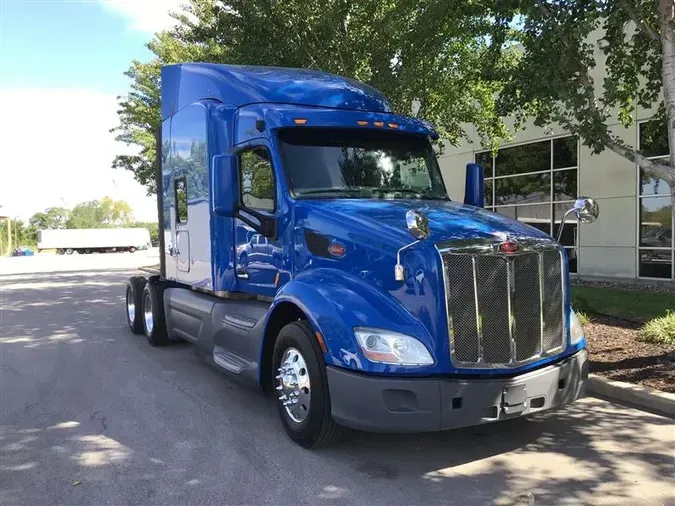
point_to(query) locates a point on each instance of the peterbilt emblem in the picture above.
(337, 249)
(509, 247)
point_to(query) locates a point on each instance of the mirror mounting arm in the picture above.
(562, 223)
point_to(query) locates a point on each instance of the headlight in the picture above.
(388, 347)
(576, 330)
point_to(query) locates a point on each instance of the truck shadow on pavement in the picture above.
(91, 414)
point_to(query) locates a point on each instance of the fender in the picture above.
(335, 302)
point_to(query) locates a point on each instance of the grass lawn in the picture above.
(639, 306)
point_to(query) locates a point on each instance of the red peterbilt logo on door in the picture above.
(509, 247)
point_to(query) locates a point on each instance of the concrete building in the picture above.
(536, 177)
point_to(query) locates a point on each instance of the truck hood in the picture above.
(382, 219)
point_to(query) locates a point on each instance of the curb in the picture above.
(638, 396)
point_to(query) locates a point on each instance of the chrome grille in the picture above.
(504, 310)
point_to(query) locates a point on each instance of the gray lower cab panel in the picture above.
(228, 330)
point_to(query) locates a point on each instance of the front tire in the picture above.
(303, 399)
(134, 301)
(154, 324)
(132, 249)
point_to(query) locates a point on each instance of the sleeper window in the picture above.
(181, 201)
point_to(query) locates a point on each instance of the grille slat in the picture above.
(493, 304)
(552, 336)
(484, 315)
(462, 307)
(526, 306)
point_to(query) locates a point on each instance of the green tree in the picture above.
(426, 56)
(22, 235)
(554, 81)
(100, 214)
(51, 218)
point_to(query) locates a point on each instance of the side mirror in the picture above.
(225, 191)
(585, 209)
(474, 191)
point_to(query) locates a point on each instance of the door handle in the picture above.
(242, 273)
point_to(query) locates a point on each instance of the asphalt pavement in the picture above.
(91, 414)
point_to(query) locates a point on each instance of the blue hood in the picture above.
(385, 219)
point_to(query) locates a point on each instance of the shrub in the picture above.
(659, 330)
(584, 319)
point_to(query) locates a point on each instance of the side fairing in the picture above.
(186, 198)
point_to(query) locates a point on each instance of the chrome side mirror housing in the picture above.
(586, 210)
(418, 226)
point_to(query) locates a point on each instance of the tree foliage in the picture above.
(102, 213)
(451, 62)
(557, 80)
(51, 218)
(425, 56)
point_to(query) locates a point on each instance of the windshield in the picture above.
(346, 163)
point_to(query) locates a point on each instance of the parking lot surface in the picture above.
(91, 414)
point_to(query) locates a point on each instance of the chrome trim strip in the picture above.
(540, 257)
(479, 322)
(511, 288)
(490, 246)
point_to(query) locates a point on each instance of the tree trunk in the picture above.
(667, 25)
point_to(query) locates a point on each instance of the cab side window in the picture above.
(256, 180)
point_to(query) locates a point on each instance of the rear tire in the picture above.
(132, 250)
(154, 324)
(69, 251)
(134, 303)
(60, 251)
(314, 426)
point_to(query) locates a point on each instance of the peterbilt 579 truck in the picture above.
(309, 247)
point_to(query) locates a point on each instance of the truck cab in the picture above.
(309, 248)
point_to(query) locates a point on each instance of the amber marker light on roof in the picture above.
(393, 125)
(378, 123)
(362, 122)
(300, 121)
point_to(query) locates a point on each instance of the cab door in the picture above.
(257, 272)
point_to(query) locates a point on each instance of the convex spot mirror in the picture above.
(418, 224)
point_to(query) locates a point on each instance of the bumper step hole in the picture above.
(491, 412)
(537, 402)
(562, 384)
(456, 403)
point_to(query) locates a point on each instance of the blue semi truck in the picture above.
(308, 247)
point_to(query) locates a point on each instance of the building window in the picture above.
(655, 210)
(536, 183)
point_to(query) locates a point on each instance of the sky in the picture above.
(62, 65)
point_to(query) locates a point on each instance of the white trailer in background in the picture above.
(94, 240)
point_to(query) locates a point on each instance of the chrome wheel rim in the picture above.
(147, 314)
(293, 385)
(131, 307)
